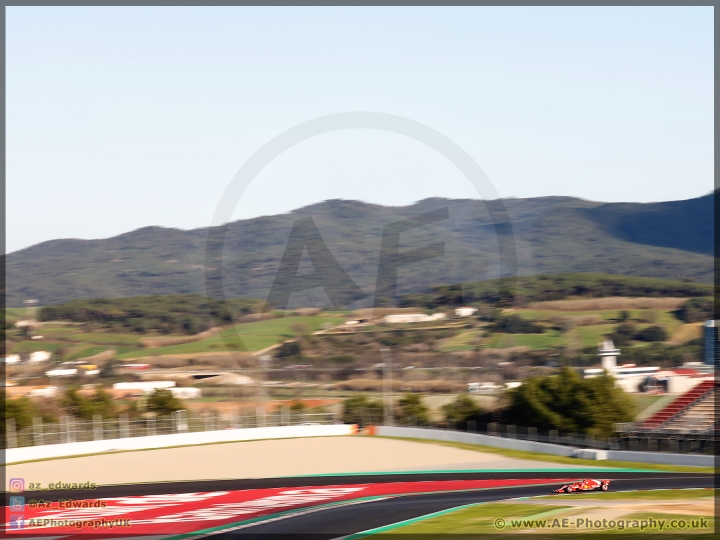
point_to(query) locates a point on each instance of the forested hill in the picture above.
(671, 240)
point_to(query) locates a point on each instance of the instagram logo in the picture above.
(17, 485)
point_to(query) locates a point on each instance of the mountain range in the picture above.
(672, 240)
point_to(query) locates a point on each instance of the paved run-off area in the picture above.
(264, 459)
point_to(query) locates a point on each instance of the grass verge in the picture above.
(497, 519)
(652, 494)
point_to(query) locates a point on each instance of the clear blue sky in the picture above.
(119, 118)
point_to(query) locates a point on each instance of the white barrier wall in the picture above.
(29, 453)
(475, 438)
(545, 448)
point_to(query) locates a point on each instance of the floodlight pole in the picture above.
(387, 386)
(264, 360)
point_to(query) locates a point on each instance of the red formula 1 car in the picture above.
(584, 485)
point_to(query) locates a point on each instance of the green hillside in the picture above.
(547, 235)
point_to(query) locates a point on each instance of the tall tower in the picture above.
(608, 355)
(710, 342)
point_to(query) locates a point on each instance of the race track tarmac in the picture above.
(347, 520)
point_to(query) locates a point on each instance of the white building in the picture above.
(465, 311)
(45, 391)
(146, 387)
(39, 356)
(608, 354)
(186, 393)
(12, 359)
(61, 372)
(412, 318)
(483, 387)
(629, 377)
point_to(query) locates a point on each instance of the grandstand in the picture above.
(700, 416)
(692, 411)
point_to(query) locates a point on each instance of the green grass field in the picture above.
(591, 335)
(643, 401)
(655, 494)
(582, 336)
(474, 520)
(464, 341)
(32, 346)
(13, 314)
(510, 517)
(106, 338)
(548, 340)
(242, 337)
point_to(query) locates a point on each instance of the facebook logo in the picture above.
(17, 522)
(17, 503)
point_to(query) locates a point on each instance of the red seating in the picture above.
(663, 415)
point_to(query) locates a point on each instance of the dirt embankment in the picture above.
(154, 342)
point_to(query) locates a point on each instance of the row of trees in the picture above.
(172, 314)
(85, 406)
(564, 402)
(506, 292)
(697, 310)
(626, 332)
(515, 324)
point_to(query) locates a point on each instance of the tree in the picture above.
(651, 333)
(162, 402)
(697, 310)
(623, 334)
(411, 410)
(297, 406)
(515, 324)
(108, 370)
(289, 349)
(362, 410)
(22, 410)
(462, 410)
(60, 355)
(86, 407)
(569, 403)
(624, 316)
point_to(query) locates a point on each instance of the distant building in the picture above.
(710, 344)
(465, 311)
(45, 391)
(483, 387)
(186, 393)
(629, 377)
(62, 372)
(143, 386)
(129, 368)
(39, 356)
(412, 318)
(608, 354)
